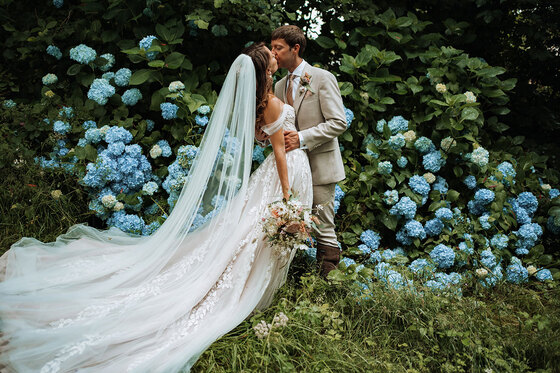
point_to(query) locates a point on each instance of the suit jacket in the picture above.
(320, 118)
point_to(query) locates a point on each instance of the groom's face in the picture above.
(285, 55)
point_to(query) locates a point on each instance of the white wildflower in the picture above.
(56, 194)
(262, 329)
(280, 320)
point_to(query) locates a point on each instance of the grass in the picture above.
(330, 329)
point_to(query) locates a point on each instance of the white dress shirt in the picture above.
(298, 71)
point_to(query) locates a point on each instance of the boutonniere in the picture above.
(305, 83)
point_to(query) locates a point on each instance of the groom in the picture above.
(320, 118)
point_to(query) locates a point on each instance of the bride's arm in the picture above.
(271, 114)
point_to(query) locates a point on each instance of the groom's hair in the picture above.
(292, 35)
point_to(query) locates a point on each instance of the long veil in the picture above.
(89, 283)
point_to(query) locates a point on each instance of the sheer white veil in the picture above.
(96, 277)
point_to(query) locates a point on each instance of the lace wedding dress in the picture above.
(106, 301)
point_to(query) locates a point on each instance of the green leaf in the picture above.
(452, 195)
(387, 100)
(390, 221)
(469, 113)
(174, 60)
(140, 76)
(325, 42)
(345, 88)
(156, 63)
(74, 69)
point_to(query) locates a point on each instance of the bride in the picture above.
(105, 301)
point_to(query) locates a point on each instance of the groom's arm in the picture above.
(332, 108)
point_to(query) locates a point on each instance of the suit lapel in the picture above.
(282, 85)
(299, 94)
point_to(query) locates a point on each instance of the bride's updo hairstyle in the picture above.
(260, 58)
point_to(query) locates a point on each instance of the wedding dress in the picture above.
(106, 301)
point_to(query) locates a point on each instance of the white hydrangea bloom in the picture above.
(108, 201)
(531, 270)
(410, 136)
(56, 194)
(104, 129)
(471, 98)
(176, 86)
(481, 272)
(447, 143)
(441, 88)
(430, 177)
(155, 151)
(118, 206)
(546, 187)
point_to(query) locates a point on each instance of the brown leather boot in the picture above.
(327, 258)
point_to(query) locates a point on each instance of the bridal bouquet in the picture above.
(288, 226)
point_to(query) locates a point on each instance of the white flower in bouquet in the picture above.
(470, 97)
(441, 88)
(288, 225)
(108, 201)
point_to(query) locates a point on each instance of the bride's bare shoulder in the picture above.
(273, 109)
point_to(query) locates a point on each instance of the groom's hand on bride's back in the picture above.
(291, 140)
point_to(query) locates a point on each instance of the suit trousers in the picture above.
(323, 208)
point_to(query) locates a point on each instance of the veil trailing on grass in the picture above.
(80, 290)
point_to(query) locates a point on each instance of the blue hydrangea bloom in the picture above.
(126, 222)
(110, 61)
(390, 197)
(405, 207)
(150, 188)
(499, 241)
(440, 185)
(447, 284)
(116, 148)
(479, 157)
(543, 274)
(58, 3)
(397, 124)
(402, 237)
(371, 239)
(553, 193)
(108, 76)
(443, 256)
(61, 127)
(422, 268)
(443, 213)
(116, 133)
(419, 185)
(424, 145)
(93, 135)
(552, 226)
(470, 182)
(508, 171)
(150, 124)
(8, 104)
(83, 54)
(348, 261)
(433, 161)
(201, 120)
(397, 141)
(488, 259)
(372, 154)
(66, 112)
(122, 77)
(349, 117)
(165, 148)
(100, 91)
(145, 44)
(385, 167)
(131, 96)
(528, 201)
(380, 124)
(402, 162)
(89, 124)
(258, 154)
(54, 51)
(527, 236)
(168, 110)
(515, 272)
(433, 227)
(483, 220)
(49, 79)
(484, 196)
(415, 229)
(203, 110)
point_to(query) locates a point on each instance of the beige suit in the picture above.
(320, 118)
